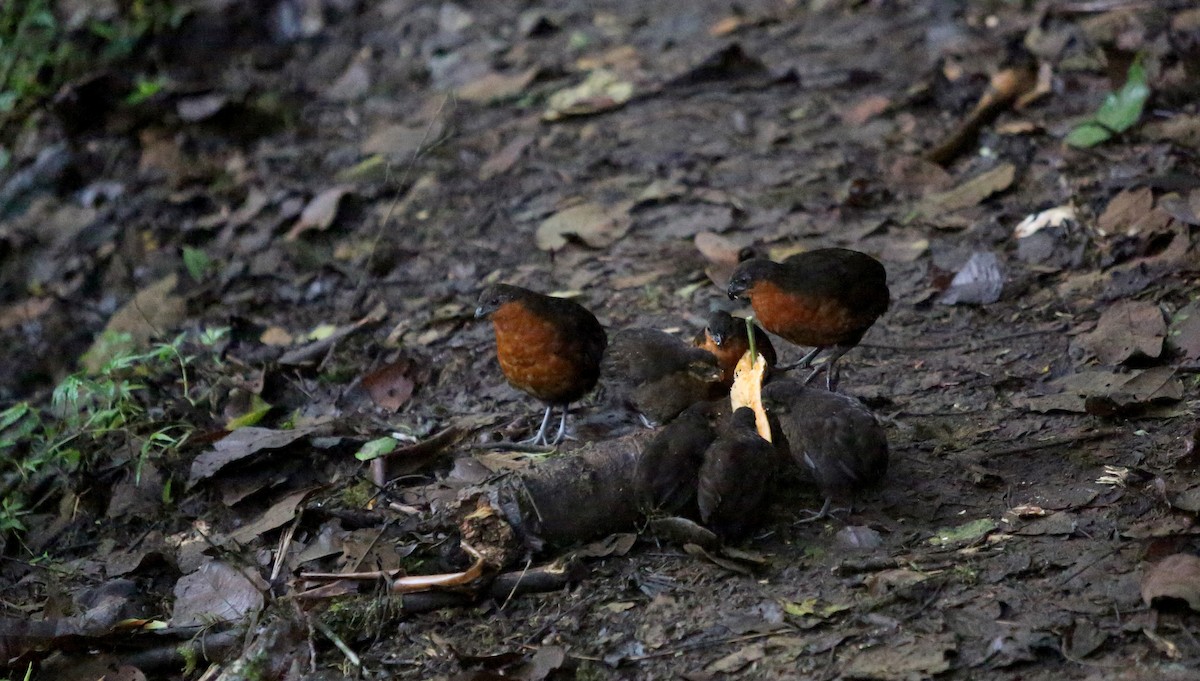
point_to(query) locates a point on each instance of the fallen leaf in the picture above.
(494, 86)
(320, 212)
(1122, 392)
(354, 82)
(276, 336)
(1051, 217)
(217, 592)
(905, 251)
(153, 310)
(859, 538)
(737, 660)
(594, 224)
(969, 193)
(965, 533)
(865, 109)
(726, 25)
(280, 513)
(1128, 329)
(1119, 112)
(1174, 577)
(24, 311)
(504, 159)
(1181, 129)
(401, 142)
(716, 249)
(920, 657)
(255, 411)
(1184, 335)
(979, 282)
(602, 90)
(1125, 209)
(238, 445)
(391, 385)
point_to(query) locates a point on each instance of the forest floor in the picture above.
(316, 197)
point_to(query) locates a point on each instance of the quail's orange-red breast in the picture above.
(834, 437)
(824, 298)
(734, 477)
(548, 347)
(726, 337)
(658, 374)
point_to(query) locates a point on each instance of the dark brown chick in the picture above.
(727, 339)
(737, 470)
(825, 298)
(833, 436)
(669, 467)
(658, 374)
(548, 347)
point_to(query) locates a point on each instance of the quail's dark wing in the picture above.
(833, 436)
(668, 468)
(841, 274)
(642, 355)
(580, 332)
(839, 439)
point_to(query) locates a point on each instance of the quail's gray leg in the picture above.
(540, 437)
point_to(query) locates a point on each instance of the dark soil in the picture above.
(1018, 518)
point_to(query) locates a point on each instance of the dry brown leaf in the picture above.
(1184, 335)
(726, 25)
(24, 311)
(594, 224)
(391, 385)
(865, 109)
(276, 336)
(504, 159)
(969, 193)
(402, 142)
(716, 249)
(1183, 130)
(280, 513)
(495, 86)
(320, 212)
(155, 309)
(1125, 209)
(1129, 328)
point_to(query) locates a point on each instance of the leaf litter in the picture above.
(701, 107)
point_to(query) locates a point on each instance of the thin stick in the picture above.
(351, 656)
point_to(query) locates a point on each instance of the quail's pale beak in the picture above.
(735, 289)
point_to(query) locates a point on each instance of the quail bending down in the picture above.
(833, 436)
(727, 338)
(658, 374)
(734, 478)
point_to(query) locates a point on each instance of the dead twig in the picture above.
(1057, 441)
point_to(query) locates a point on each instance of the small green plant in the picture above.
(85, 412)
(1119, 112)
(38, 54)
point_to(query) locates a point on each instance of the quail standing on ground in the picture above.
(548, 347)
(825, 298)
